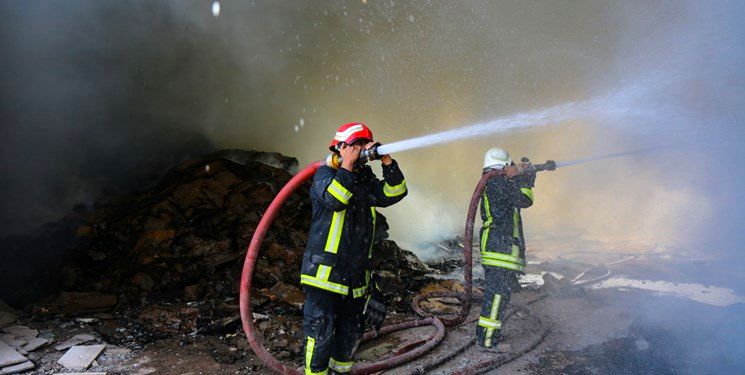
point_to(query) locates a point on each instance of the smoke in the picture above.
(99, 97)
(93, 103)
(95, 93)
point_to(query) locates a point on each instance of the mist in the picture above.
(100, 98)
(105, 92)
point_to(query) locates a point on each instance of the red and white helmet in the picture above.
(351, 132)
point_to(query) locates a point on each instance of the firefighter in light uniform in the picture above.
(336, 265)
(502, 241)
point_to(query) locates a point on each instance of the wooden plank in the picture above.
(8, 355)
(28, 365)
(80, 357)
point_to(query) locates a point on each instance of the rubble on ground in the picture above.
(165, 263)
(448, 255)
(442, 305)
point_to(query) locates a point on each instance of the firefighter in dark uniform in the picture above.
(502, 241)
(336, 265)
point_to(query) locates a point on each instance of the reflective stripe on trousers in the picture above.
(339, 366)
(309, 345)
(491, 323)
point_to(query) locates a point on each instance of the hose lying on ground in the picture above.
(493, 362)
(467, 296)
(427, 366)
(396, 360)
(249, 266)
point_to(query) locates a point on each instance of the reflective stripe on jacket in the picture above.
(341, 235)
(502, 239)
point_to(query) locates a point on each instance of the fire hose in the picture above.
(466, 297)
(249, 265)
(255, 247)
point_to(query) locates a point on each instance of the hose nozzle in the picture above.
(334, 160)
(370, 154)
(549, 165)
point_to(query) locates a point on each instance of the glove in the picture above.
(527, 175)
(511, 171)
(375, 309)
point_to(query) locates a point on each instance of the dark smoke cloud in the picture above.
(96, 97)
(101, 97)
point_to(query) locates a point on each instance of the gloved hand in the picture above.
(375, 309)
(511, 171)
(527, 175)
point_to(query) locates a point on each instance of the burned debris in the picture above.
(165, 263)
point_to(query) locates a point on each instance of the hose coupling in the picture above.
(333, 160)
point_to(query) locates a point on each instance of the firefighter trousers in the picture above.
(498, 288)
(333, 326)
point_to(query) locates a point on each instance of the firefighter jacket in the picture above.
(337, 257)
(502, 239)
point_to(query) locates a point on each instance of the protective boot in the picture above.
(501, 348)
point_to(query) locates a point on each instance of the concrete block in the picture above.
(12, 369)
(8, 355)
(80, 357)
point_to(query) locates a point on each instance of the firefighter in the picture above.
(502, 241)
(336, 272)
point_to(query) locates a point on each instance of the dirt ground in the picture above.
(569, 318)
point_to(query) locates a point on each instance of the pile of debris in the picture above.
(402, 273)
(16, 342)
(166, 261)
(185, 237)
(23, 348)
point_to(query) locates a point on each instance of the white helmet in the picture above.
(497, 158)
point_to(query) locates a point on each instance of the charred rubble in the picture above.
(166, 261)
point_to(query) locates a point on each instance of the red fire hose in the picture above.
(465, 297)
(249, 265)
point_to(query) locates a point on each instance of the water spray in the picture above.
(609, 156)
(550, 165)
(604, 107)
(627, 104)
